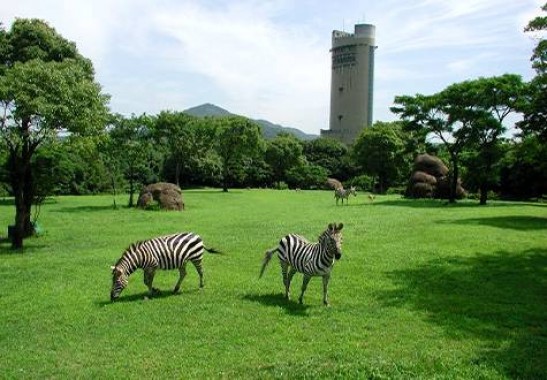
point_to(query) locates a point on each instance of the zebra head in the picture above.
(119, 282)
(332, 238)
(352, 190)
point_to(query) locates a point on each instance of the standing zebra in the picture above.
(164, 252)
(341, 193)
(296, 254)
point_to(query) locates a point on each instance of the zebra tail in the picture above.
(267, 258)
(212, 250)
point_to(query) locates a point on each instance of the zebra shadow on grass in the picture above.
(145, 296)
(278, 300)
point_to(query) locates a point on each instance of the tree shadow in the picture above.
(214, 192)
(443, 203)
(499, 298)
(5, 247)
(519, 222)
(7, 202)
(86, 209)
(278, 300)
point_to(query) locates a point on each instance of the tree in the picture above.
(307, 176)
(131, 146)
(188, 140)
(237, 139)
(46, 87)
(379, 150)
(332, 155)
(283, 153)
(481, 106)
(535, 109)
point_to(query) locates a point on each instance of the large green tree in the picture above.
(188, 139)
(535, 109)
(481, 106)
(46, 87)
(379, 150)
(237, 139)
(283, 153)
(332, 155)
(131, 147)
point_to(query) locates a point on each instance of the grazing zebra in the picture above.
(341, 193)
(164, 252)
(296, 254)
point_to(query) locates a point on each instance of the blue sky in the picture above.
(270, 59)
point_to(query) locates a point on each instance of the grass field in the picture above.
(423, 290)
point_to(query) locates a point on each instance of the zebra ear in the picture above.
(331, 226)
(340, 226)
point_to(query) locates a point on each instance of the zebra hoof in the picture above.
(176, 291)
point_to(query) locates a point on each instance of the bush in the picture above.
(363, 182)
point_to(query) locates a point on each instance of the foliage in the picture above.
(131, 148)
(283, 153)
(523, 170)
(535, 110)
(415, 295)
(330, 154)
(465, 116)
(363, 182)
(380, 152)
(307, 176)
(238, 140)
(189, 140)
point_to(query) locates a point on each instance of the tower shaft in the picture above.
(352, 79)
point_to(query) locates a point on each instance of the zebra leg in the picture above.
(182, 274)
(290, 275)
(286, 282)
(199, 269)
(326, 279)
(304, 287)
(149, 279)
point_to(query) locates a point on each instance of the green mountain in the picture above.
(269, 129)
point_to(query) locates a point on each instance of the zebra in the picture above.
(296, 254)
(163, 252)
(341, 193)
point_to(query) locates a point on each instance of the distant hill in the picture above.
(269, 129)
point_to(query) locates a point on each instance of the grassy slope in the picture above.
(423, 290)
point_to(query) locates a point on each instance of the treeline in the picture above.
(230, 152)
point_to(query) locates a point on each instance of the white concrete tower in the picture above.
(352, 79)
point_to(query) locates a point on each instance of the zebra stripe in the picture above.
(341, 193)
(296, 254)
(163, 252)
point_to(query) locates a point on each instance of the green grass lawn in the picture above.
(423, 290)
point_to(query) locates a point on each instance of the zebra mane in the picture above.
(131, 247)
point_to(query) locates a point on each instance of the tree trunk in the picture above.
(177, 173)
(484, 194)
(131, 194)
(454, 180)
(21, 183)
(113, 184)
